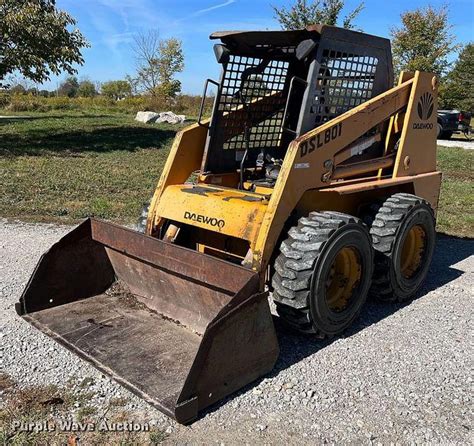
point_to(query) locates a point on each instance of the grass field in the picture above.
(456, 204)
(65, 167)
(68, 167)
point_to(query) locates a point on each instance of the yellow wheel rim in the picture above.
(343, 277)
(412, 251)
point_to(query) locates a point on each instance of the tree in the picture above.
(69, 87)
(18, 89)
(134, 84)
(304, 13)
(424, 41)
(458, 88)
(157, 63)
(86, 89)
(33, 91)
(35, 40)
(116, 89)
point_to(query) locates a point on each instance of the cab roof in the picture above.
(292, 38)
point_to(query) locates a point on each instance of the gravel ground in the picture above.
(402, 374)
(456, 142)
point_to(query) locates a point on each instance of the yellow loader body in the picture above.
(314, 178)
(259, 218)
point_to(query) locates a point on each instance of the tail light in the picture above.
(460, 117)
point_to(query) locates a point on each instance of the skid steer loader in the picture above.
(314, 179)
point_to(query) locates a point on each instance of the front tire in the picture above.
(403, 236)
(323, 273)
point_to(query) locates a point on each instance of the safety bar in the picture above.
(203, 100)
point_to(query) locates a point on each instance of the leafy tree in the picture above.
(35, 39)
(116, 89)
(86, 89)
(458, 88)
(424, 41)
(304, 13)
(134, 84)
(158, 62)
(69, 87)
(18, 89)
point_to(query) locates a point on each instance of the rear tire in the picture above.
(323, 272)
(403, 236)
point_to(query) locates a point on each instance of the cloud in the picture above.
(119, 38)
(199, 12)
(211, 8)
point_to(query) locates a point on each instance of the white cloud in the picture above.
(211, 8)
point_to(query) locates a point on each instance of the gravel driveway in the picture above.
(402, 374)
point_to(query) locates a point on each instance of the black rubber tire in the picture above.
(446, 135)
(301, 269)
(141, 222)
(391, 224)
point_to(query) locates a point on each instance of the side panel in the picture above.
(351, 198)
(417, 150)
(226, 211)
(428, 187)
(185, 158)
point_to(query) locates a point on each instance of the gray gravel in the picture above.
(402, 374)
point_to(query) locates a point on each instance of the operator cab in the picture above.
(277, 85)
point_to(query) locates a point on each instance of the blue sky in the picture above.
(109, 26)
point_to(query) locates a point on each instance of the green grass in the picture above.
(68, 167)
(456, 204)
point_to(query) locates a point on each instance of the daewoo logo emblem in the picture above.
(217, 222)
(425, 106)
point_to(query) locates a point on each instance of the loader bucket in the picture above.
(179, 328)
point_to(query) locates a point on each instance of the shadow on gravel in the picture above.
(294, 346)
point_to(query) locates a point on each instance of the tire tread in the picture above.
(294, 266)
(384, 232)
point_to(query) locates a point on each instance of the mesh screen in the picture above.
(344, 81)
(259, 84)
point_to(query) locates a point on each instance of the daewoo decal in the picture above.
(425, 109)
(212, 221)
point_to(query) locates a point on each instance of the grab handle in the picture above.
(203, 100)
(290, 93)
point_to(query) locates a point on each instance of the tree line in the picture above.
(72, 87)
(423, 41)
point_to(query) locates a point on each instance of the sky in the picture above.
(110, 26)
